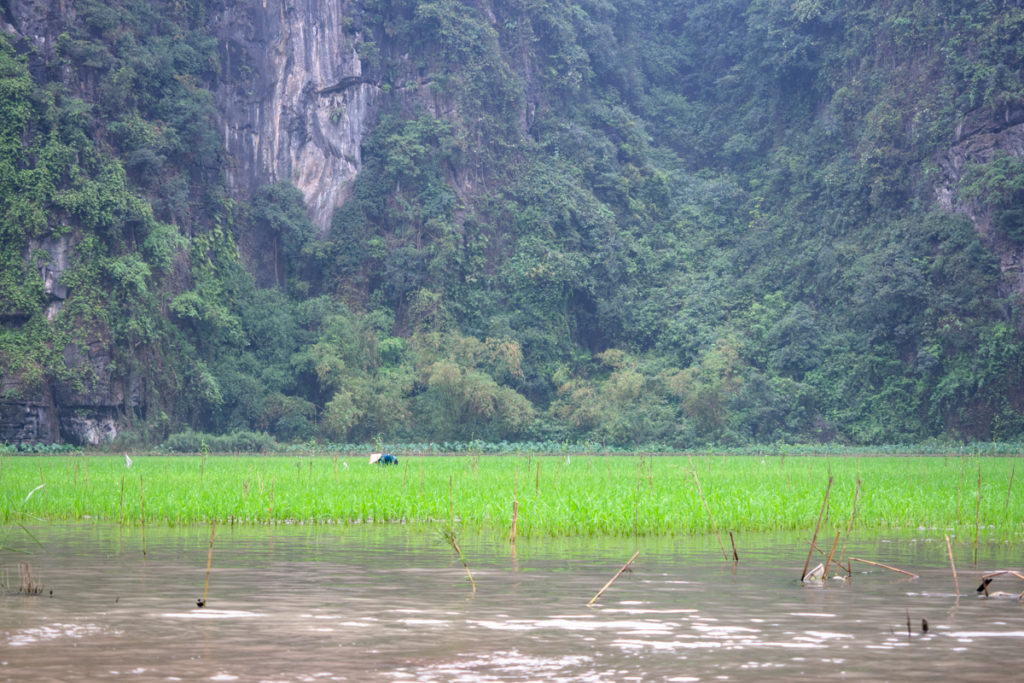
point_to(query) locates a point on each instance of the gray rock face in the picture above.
(100, 388)
(90, 428)
(57, 248)
(26, 422)
(979, 138)
(37, 20)
(293, 101)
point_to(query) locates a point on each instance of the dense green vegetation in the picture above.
(556, 495)
(683, 223)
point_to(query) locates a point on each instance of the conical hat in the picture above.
(374, 457)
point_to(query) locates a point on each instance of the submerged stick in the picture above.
(612, 580)
(209, 561)
(884, 566)
(707, 507)
(956, 582)
(817, 528)
(735, 556)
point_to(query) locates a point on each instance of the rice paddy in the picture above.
(581, 495)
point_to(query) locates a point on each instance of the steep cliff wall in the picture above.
(293, 99)
(980, 138)
(693, 184)
(293, 105)
(56, 405)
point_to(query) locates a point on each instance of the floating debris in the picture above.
(986, 579)
(815, 576)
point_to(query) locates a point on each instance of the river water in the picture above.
(393, 603)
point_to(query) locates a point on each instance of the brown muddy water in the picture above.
(392, 603)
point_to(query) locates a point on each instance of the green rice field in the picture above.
(579, 495)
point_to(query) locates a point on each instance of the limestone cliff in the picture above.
(979, 138)
(659, 179)
(293, 105)
(293, 99)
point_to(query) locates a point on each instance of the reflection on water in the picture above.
(392, 603)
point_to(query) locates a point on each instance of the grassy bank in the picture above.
(556, 495)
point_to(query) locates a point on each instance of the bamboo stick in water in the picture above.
(956, 582)
(884, 566)
(814, 540)
(612, 580)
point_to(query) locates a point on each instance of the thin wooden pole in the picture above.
(515, 510)
(142, 515)
(209, 561)
(977, 518)
(636, 501)
(515, 519)
(735, 556)
(959, 493)
(1009, 486)
(120, 505)
(824, 573)
(849, 526)
(956, 582)
(817, 528)
(707, 507)
(612, 580)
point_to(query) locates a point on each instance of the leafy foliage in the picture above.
(683, 223)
